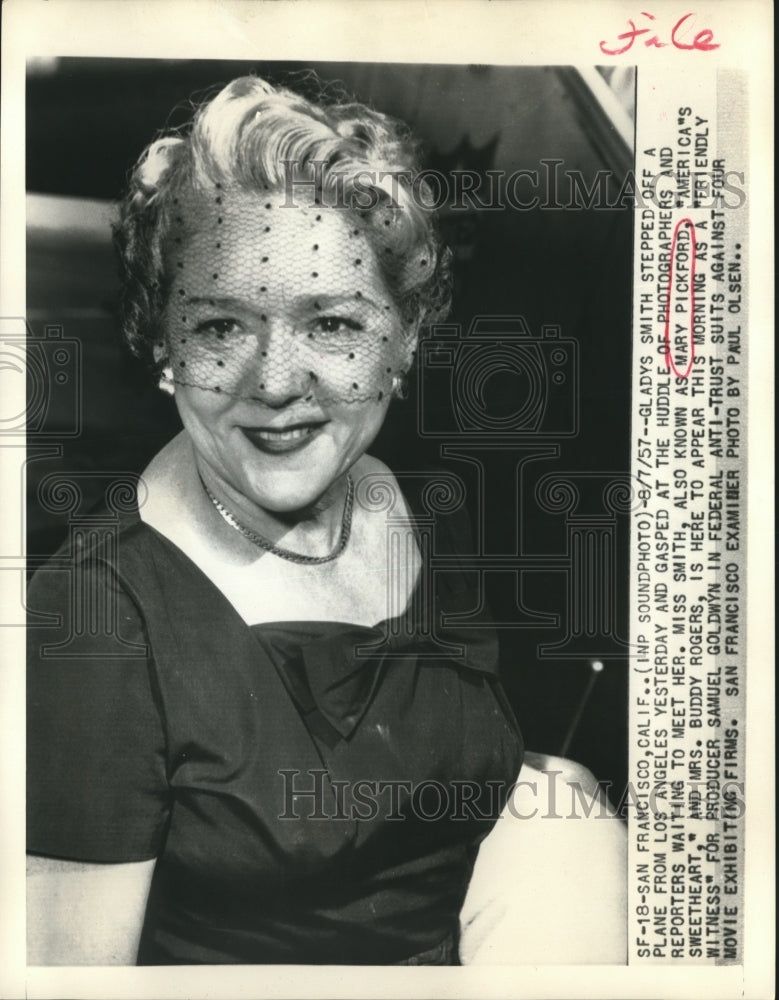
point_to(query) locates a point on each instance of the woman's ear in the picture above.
(166, 382)
(159, 353)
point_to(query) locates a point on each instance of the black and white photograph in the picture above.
(382, 453)
(325, 595)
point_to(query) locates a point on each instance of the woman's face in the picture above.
(283, 341)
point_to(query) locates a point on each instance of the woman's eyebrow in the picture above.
(308, 302)
(220, 302)
(321, 301)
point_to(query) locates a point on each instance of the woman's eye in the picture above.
(218, 327)
(338, 324)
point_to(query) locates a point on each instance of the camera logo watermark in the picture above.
(457, 367)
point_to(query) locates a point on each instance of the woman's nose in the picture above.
(280, 374)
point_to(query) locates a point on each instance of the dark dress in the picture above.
(315, 792)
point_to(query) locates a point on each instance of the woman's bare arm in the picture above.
(85, 914)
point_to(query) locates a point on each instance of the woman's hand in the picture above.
(85, 914)
(549, 886)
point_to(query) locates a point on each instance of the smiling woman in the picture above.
(266, 722)
(284, 671)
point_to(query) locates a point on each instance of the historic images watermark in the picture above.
(549, 794)
(549, 186)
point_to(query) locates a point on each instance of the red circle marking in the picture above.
(670, 361)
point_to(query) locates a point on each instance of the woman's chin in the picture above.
(296, 480)
(290, 493)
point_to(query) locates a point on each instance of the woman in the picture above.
(288, 765)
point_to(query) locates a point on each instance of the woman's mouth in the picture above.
(282, 439)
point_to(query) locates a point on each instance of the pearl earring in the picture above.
(166, 383)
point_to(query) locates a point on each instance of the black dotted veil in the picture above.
(280, 249)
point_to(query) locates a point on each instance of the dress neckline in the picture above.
(447, 631)
(331, 627)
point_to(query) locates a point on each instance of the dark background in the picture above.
(88, 120)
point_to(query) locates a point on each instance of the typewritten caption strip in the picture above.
(690, 434)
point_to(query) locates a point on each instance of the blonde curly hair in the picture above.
(254, 136)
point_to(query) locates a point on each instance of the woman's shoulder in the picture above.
(111, 546)
(119, 521)
(96, 538)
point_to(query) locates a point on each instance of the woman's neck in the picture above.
(310, 530)
(178, 506)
